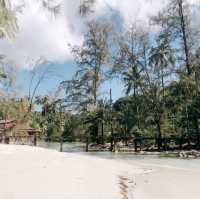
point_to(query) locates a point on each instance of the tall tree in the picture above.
(162, 59)
(91, 58)
(130, 58)
(175, 19)
(130, 63)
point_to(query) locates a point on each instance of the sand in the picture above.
(36, 173)
(168, 183)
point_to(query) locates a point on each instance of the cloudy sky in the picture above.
(42, 35)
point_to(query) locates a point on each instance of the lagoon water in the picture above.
(132, 159)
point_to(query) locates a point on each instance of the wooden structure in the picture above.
(9, 133)
(6, 130)
(7, 125)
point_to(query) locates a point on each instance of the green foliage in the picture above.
(91, 57)
(8, 21)
(13, 108)
(70, 127)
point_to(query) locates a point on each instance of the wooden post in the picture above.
(181, 143)
(102, 133)
(87, 143)
(61, 144)
(112, 138)
(35, 139)
(111, 124)
(7, 140)
(140, 144)
(135, 144)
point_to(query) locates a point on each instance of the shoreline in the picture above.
(183, 154)
(37, 173)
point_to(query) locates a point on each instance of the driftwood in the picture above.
(189, 154)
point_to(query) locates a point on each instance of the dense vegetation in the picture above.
(160, 72)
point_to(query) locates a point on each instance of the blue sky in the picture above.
(63, 72)
(41, 35)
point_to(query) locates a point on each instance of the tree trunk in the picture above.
(87, 143)
(184, 37)
(61, 144)
(96, 133)
(35, 140)
(159, 136)
(196, 127)
(112, 138)
(102, 133)
(163, 84)
(111, 124)
(135, 144)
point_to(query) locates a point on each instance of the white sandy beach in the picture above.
(36, 173)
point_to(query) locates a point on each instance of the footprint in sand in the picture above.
(126, 187)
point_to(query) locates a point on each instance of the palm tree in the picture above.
(161, 57)
(129, 61)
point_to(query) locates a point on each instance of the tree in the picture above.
(90, 58)
(130, 58)
(8, 17)
(127, 117)
(84, 89)
(71, 123)
(175, 19)
(52, 117)
(162, 59)
(130, 65)
(37, 78)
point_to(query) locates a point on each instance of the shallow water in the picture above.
(153, 160)
(144, 160)
(67, 147)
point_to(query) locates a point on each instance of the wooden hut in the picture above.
(7, 129)
(12, 132)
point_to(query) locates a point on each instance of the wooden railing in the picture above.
(21, 140)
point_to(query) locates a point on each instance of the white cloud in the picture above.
(41, 36)
(132, 10)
